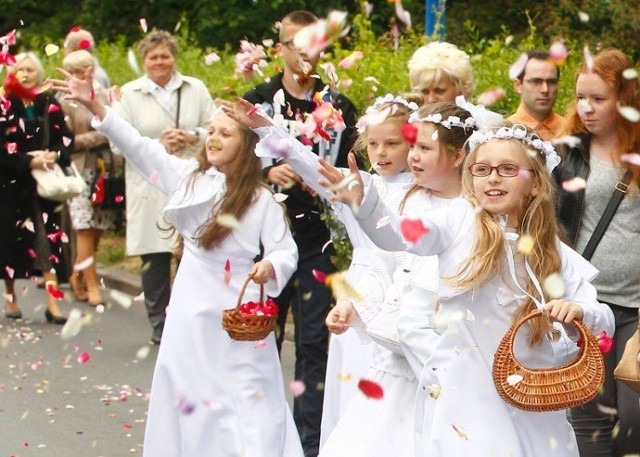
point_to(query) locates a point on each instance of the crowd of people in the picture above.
(429, 304)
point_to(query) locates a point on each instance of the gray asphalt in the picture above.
(53, 405)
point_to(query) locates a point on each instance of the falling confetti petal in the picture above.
(558, 53)
(143, 24)
(211, 58)
(278, 98)
(525, 244)
(569, 140)
(553, 285)
(73, 325)
(629, 113)
(153, 177)
(630, 73)
(412, 229)
(319, 276)
(435, 135)
(143, 352)
(491, 96)
(371, 389)
(633, 158)
(227, 272)
(382, 222)
(186, 407)
(341, 288)
(121, 298)
(514, 379)
(410, 133)
(607, 410)
(518, 66)
(229, 221)
(348, 62)
(51, 49)
(434, 391)
(588, 58)
(584, 17)
(260, 344)
(133, 63)
(470, 316)
(574, 185)
(461, 433)
(83, 358)
(605, 342)
(297, 388)
(280, 197)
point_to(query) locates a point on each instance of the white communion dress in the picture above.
(212, 396)
(459, 411)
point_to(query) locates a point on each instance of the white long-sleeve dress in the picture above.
(350, 354)
(459, 411)
(212, 396)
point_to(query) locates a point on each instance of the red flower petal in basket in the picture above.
(371, 389)
(412, 229)
(409, 132)
(319, 276)
(605, 342)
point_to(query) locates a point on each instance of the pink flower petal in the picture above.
(297, 388)
(83, 358)
(518, 66)
(412, 229)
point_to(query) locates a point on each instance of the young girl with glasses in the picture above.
(485, 284)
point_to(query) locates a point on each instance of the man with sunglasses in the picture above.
(537, 85)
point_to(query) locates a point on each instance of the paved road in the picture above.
(51, 405)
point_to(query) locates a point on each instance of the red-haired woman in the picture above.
(606, 136)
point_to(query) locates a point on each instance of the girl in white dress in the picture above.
(484, 285)
(212, 396)
(370, 272)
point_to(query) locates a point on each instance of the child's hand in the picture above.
(349, 189)
(244, 113)
(340, 317)
(563, 311)
(262, 271)
(80, 90)
(283, 175)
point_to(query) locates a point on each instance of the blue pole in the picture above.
(435, 16)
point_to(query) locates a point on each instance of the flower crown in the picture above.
(389, 98)
(517, 132)
(451, 121)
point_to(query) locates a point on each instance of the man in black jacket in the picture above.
(310, 300)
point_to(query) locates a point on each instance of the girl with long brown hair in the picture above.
(601, 158)
(485, 283)
(212, 395)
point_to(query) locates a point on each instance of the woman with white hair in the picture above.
(440, 72)
(91, 152)
(33, 135)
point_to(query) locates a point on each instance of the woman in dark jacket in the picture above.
(606, 146)
(33, 135)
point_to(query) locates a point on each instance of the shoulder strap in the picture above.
(178, 109)
(618, 194)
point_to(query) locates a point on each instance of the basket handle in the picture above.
(244, 287)
(538, 313)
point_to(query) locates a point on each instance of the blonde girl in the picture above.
(212, 395)
(485, 283)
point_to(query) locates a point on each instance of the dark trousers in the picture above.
(156, 283)
(594, 423)
(310, 302)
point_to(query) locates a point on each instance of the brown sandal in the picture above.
(77, 288)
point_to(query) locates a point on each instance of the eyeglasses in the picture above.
(506, 170)
(537, 82)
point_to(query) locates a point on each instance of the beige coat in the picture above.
(150, 115)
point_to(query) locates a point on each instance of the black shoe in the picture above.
(56, 320)
(15, 315)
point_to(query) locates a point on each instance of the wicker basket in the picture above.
(247, 327)
(549, 389)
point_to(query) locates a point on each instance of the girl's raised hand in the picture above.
(347, 189)
(244, 113)
(563, 311)
(80, 91)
